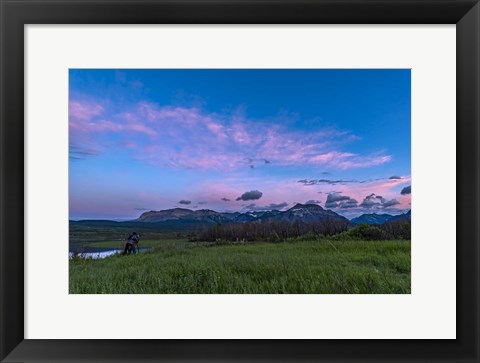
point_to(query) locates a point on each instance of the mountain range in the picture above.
(374, 218)
(185, 219)
(300, 212)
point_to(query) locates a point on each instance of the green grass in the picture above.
(301, 267)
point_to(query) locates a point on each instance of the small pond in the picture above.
(99, 252)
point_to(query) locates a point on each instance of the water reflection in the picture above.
(97, 252)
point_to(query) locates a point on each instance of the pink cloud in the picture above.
(84, 110)
(129, 144)
(351, 161)
(331, 157)
(217, 129)
(181, 137)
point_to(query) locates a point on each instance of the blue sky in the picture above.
(206, 139)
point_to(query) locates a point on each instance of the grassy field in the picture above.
(320, 266)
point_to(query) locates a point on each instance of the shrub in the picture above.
(368, 233)
(400, 229)
(274, 237)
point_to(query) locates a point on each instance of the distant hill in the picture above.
(407, 216)
(300, 212)
(309, 213)
(173, 225)
(374, 218)
(182, 219)
(181, 214)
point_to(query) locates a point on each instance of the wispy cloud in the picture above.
(84, 110)
(346, 160)
(77, 152)
(327, 181)
(190, 138)
(272, 206)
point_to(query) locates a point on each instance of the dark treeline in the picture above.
(271, 230)
(277, 231)
(400, 229)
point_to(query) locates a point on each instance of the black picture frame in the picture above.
(15, 14)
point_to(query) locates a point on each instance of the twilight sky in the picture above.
(238, 140)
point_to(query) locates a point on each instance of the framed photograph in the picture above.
(232, 181)
(235, 191)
